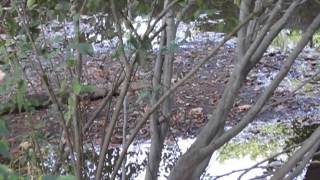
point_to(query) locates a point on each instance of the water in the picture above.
(195, 34)
(248, 148)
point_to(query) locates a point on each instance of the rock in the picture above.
(196, 111)
(244, 107)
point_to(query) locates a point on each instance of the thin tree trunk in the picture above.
(146, 115)
(192, 163)
(154, 156)
(114, 118)
(159, 129)
(76, 118)
(124, 134)
(314, 168)
(242, 35)
(314, 138)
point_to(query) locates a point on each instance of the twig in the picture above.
(236, 171)
(291, 94)
(76, 118)
(124, 133)
(129, 23)
(254, 110)
(267, 159)
(45, 79)
(123, 57)
(302, 164)
(159, 17)
(151, 14)
(162, 28)
(173, 88)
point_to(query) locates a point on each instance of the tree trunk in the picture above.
(313, 169)
(213, 136)
(156, 143)
(159, 128)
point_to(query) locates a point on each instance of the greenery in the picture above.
(47, 53)
(258, 144)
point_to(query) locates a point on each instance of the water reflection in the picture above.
(240, 153)
(247, 149)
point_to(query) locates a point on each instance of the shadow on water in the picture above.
(302, 128)
(133, 167)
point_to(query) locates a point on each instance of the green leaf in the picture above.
(76, 87)
(4, 149)
(86, 49)
(71, 108)
(133, 41)
(83, 48)
(63, 88)
(71, 63)
(58, 178)
(87, 88)
(173, 46)
(14, 177)
(21, 92)
(183, 3)
(10, 26)
(142, 58)
(146, 43)
(237, 2)
(79, 88)
(2, 43)
(146, 94)
(5, 171)
(116, 54)
(31, 4)
(3, 128)
(1, 10)
(62, 6)
(76, 17)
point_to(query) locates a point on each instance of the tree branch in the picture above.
(146, 116)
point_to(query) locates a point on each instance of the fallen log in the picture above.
(42, 101)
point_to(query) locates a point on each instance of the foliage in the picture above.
(4, 146)
(316, 40)
(257, 145)
(28, 45)
(301, 130)
(287, 38)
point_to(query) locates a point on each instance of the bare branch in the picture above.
(110, 129)
(268, 159)
(104, 102)
(306, 159)
(173, 88)
(123, 56)
(268, 92)
(45, 79)
(159, 17)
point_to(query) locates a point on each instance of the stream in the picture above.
(269, 133)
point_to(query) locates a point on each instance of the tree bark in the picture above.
(159, 128)
(193, 162)
(154, 157)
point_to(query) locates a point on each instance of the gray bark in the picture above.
(211, 133)
(154, 157)
(159, 128)
(241, 37)
(314, 138)
(124, 134)
(146, 115)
